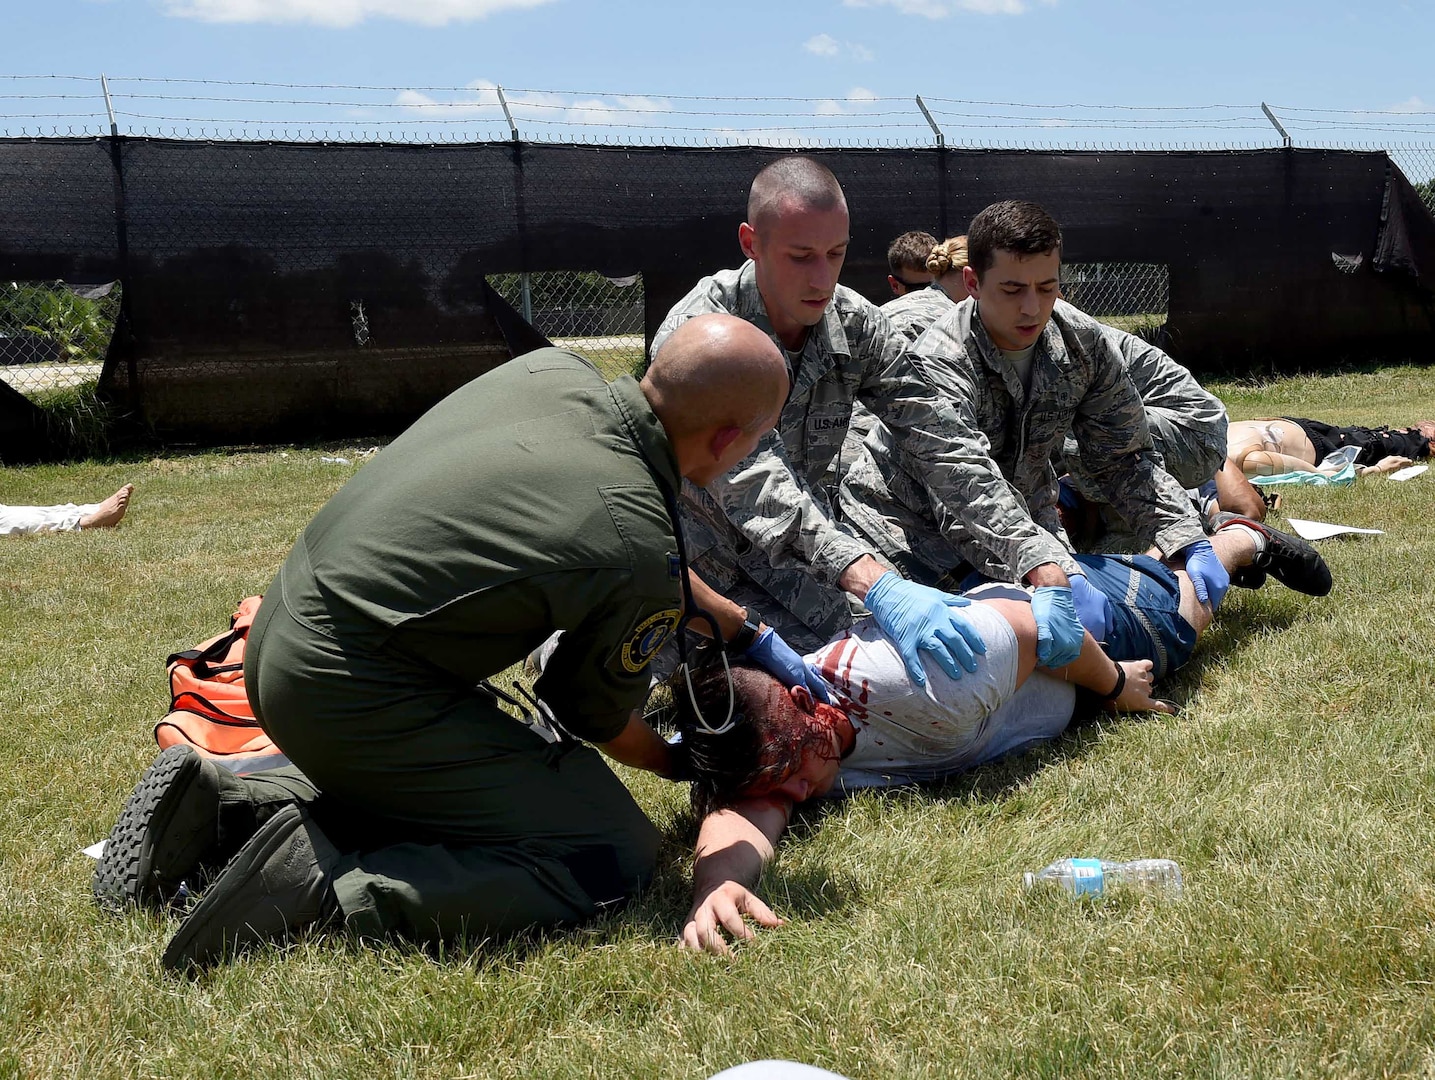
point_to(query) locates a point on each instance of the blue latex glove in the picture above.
(1207, 574)
(1092, 608)
(778, 658)
(1059, 632)
(919, 618)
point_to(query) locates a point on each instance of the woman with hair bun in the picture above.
(913, 312)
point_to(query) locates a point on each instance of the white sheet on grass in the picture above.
(1321, 530)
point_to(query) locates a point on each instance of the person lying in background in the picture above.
(20, 520)
(1274, 445)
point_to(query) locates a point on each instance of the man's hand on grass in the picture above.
(722, 909)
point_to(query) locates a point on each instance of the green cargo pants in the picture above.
(455, 817)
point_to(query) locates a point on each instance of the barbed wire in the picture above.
(480, 110)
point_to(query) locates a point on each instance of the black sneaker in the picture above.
(1288, 559)
(1248, 577)
(165, 835)
(278, 883)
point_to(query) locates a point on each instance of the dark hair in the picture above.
(765, 743)
(1023, 228)
(909, 252)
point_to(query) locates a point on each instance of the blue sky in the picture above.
(649, 67)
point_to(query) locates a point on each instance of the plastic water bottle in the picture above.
(1092, 877)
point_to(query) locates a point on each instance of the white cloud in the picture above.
(341, 13)
(857, 99)
(1410, 105)
(481, 102)
(625, 112)
(941, 9)
(828, 46)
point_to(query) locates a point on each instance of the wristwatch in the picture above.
(743, 639)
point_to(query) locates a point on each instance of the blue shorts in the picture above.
(1146, 621)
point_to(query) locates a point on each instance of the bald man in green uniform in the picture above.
(535, 498)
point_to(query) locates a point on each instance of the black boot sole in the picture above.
(166, 831)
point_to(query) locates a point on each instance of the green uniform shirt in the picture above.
(529, 500)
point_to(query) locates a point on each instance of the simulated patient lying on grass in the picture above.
(882, 730)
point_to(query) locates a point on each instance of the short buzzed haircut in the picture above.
(1023, 228)
(808, 182)
(909, 252)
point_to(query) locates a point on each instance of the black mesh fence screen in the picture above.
(275, 289)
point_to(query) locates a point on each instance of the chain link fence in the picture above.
(53, 336)
(281, 288)
(1418, 165)
(1134, 297)
(596, 316)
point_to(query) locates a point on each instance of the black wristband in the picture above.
(1120, 684)
(743, 639)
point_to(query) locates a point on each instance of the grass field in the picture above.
(1297, 790)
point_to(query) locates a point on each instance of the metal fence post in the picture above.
(941, 169)
(941, 139)
(506, 114)
(109, 105)
(1286, 139)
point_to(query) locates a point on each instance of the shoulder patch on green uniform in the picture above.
(646, 639)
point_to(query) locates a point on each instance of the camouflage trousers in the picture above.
(1191, 458)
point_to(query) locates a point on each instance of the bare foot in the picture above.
(110, 512)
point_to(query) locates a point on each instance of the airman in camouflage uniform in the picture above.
(911, 313)
(1025, 369)
(764, 536)
(1005, 514)
(765, 533)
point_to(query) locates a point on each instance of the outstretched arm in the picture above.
(1389, 463)
(733, 846)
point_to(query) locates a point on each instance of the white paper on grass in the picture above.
(1320, 530)
(95, 850)
(1410, 472)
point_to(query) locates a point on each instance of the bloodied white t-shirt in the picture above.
(907, 734)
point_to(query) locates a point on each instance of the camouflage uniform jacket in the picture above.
(911, 313)
(774, 499)
(1005, 509)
